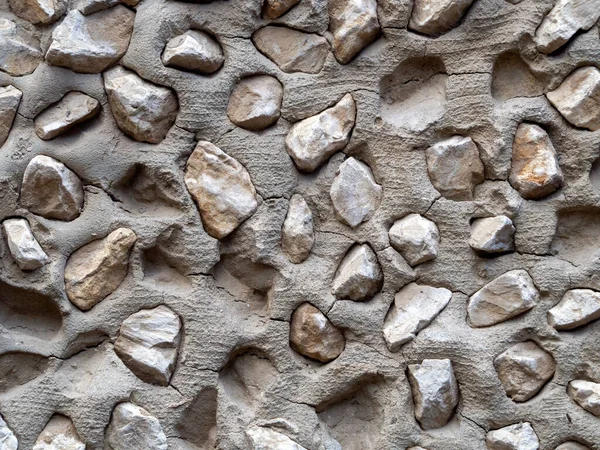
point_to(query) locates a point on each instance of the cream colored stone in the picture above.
(73, 109)
(493, 235)
(576, 308)
(359, 276)
(88, 7)
(38, 11)
(19, 55)
(8, 441)
(59, 434)
(10, 99)
(434, 17)
(195, 51)
(255, 102)
(263, 438)
(572, 446)
(520, 436)
(131, 427)
(23, 247)
(354, 25)
(297, 233)
(273, 9)
(586, 394)
(314, 336)
(416, 238)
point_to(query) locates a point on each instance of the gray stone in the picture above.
(572, 446)
(133, 428)
(8, 441)
(273, 9)
(88, 7)
(359, 276)
(10, 99)
(73, 109)
(586, 394)
(23, 247)
(19, 55)
(263, 438)
(38, 11)
(416, 238)
(576, 308)
(354, 25)
(493, 235)
(195, 51)
(434, 17)
(519, 436)
(255, 102)
(297, 233)
(59, 434)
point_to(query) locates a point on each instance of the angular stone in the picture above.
(95, 270)
(18, 55)
(576, 308)
(59, 434)
(519, 436)
(493, 235)
(416, 448)
(572, 446)
(133, 428)
(255, 102)
(263, 438)
(38, 11)
(359, 276)
(454, 167)
(398, 270)
(50, 189)
(434, 17)
(508, 296)
(535, 172)
(292, 50)
(23, 247)
(144, 111)
(273, 9)
(314, 336)
(88, 7)
(297, 233)
(524, 369)
(312, 141)
(586, 394)
(73, 109)
(434, 391)
(414, 308)
(195, 51)
(91, 44)
(416, 238)
(578, 98)
(8, 441)
(354, 25)
(10, 98)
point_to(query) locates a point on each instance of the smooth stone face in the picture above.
(91, 44)
(8, 441)
(255, 102)
(519, 436)
(95, 270)
(133, 428)
(578, 98)
(414, 308)
(434, 390)
(222, 189)
(434, 17)
(312, 141)
(576, 308)
(18, 55)
(273, 9)
(263, 438)
(359, 276)
(586, 394)
(354, 25)
(195, 51)
(143, 111)
(10, 98)
(38, 11)
(416, 238)
(292, 50)
(314, 336)
(297, 234)
(508, 296)
(73, 109)
(148, 343)
(493, 235)
(59, 434)
(535, 172)
(23, 247)
(454, 167)
(50, 189)
(571, 446)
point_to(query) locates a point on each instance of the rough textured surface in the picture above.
(263, 438)
(255, 103)
(273, 9)
(23, 247)
(359, 276)
(520, 436)
(416, 238)
(38, 11)
(297, 233)
(195, 51)
(133, 428)
(73, 109)
(20, 52)
(313, 335)
(59, 434)
(10, 98)
(8, 441)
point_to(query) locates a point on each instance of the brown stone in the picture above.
(314, 336)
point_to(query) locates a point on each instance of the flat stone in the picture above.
(88, 7)
(255, 102)
(314, 336)
(73, 109)
(143, 111)
(572, 446)
(195, 51)
(263, 438)
(19, 55)
(292, 50)
(508, 296)
(454, 167)
(576, 308)
(524, 369)
(519, 436)
(91, 44)
(414, 308)
(133, 428)
(38, 11)
(297, 233)
(535, 172)
(8, 441)
(586, 394)
(97, 269)
(434, 390)
(10, 99)
(493, 235)
(578, 98)
(310, 142)
(359, 276)
(434, 17)
(354, 25)
(59, 434)
(416, 238)
(273, 9)
(23, 247)
(50, 189)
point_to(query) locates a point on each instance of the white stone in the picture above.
(195, 51)
(10, 98)
(38, 11)
(8, 441)
(73, 109)
(19, 55)
(572, 446)
(255, 102)
(586, 394)
(263, 438)
(59, 434)
(297, 233)
(354, 25)
(576, 308)
(359, 276)
(434, 17)
(24, 248)
(520, 436)
(493, 235)
(133, 428)
(416, 238)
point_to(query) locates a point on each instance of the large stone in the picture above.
(50, 189)
(312, 141)
(578, 98)
(19, 55)
(143, 111)
(133, 428)
(434, 17)
(524, 369)
(454, 167)
(255, 102)
(10, 98)
(195, 51)
(508, 296)
(38, 11)
(95, 270)
(416, 238)
(8, 441)
(572, 446)
(59, 434)
(586, 394)
(493, 235)
(354, 25)
(23, 247)
(264, 438)
(222, 189)
(91, 44)
(273, 9)
(519, 436)
(292, 50)
(414, 308)
(434, 391)
(73, 109)
(535, 172)
(314, 336)
(88, 7)
(297, 233)
(359, 276)
(576, 308)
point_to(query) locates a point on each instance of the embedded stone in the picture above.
(572, 446)
(354, 25)
(88, 7)
(10, 99)
(195, 51)
(434, 17)
(8, 441)
(143, 111)
(23, 247)
(414, 308)
(133, 428)
(576, 308)
(73, 109)
(493, 235)
(586, 394)
(50, 189)
(508, 296)
(273, 9)
(255, 102)
(97, 269)
(519, 436)
(38, 11)
(416, 238)
(313, 140)
(400, 273)
(434, 391)
(263, 438)
(535, 172)
(59, 434)
(222, 189)
(359, 276)
(19, 55)
(297, 233)
(314, 336)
